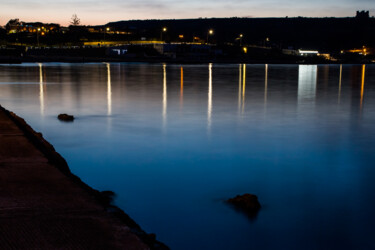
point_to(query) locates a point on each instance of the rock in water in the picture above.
(107, 197)
(248, 203)
(65, 117)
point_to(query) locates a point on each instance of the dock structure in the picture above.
(44, 206)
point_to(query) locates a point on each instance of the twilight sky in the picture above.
(102, 12)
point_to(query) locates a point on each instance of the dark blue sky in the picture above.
(101, 12)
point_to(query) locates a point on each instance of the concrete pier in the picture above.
(44, 206)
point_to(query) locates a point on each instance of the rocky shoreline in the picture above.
(102, 198)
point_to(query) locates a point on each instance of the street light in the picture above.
(210, 32)
(241, 35)
(164, 29)
(265, 42)
(105, 31)
(37, 36)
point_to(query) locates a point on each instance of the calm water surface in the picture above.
(175, 141)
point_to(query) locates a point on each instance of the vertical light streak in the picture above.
(182, 88)
(307, 88)
(340, 79)
(363, 83)
(243, 87)
(209, 109)
(41, 89)
(239, 88)
(109, 90)
(265, 85)
(164, 95)
(307, 83)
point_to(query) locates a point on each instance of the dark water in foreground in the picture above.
(175, 141)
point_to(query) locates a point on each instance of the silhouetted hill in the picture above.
(331, 34)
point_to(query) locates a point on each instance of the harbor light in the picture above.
(209, 33)
(163, 30)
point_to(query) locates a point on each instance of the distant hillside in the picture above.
(330, 34)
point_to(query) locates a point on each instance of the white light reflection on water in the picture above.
(164, 114)
(182, 88)
(340, 81)
(41, 89)
(307, 79)
(209, 108)
(307, 82)
(109, 90)
(265, 85)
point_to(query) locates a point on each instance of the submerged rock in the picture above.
(65, 117)
(107, 197)
(247, 203)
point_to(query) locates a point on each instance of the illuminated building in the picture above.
(308, 52)
(16, 26)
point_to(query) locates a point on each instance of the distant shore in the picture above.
(72, 59)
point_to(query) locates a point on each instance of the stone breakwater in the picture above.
(44, 206)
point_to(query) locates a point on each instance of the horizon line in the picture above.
(192, 18)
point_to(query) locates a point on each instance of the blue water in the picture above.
(175, 141)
